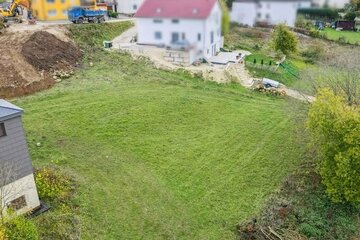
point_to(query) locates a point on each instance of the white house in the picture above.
(272, 12)
(166, 22)
(128, 6)
(331, 3)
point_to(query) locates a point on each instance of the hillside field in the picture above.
(159, 154)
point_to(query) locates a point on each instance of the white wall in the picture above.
(191, 28)
(244, 13)
(128, 6)
(24, 186)
(332, 3)
(273, 12)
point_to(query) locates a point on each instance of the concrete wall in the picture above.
(22, 187)
(274, 12)
(128, 6)
(190, 29)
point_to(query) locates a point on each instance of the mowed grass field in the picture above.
(350, 36)
(159, 154)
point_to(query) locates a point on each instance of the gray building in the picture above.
(17, 185)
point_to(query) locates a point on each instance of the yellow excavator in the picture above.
(12, 13)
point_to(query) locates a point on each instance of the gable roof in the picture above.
(188, 9)
(8, 110)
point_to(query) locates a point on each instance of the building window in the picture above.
(17, 203)
(267, 16)
(175, 21)
(65, 12)
(62, 1)
(199, 37)
(2, 130)
(52, 13)
(259, 5)
(183, 36)
(259, 15)
(158, 35)
(158, 21)
(212, 37)
(50, 1)
(134, 7)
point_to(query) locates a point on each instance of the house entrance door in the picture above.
(174, 37)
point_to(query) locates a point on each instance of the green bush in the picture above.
(20, 228)
(113, 14)
(51, 184)
(313, 53)
(284, 40)
(335, 128)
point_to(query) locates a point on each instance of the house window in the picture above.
(65, 12)
(134, 7)
(50, 1)
(259, 5)
(52, 13)
(183, 36)
(267, 16)
(199, 37)
(212, 37)
(259, 15)
(2, 130)
(158, 21)
(175, 21)
(17, 203)
(158, 35)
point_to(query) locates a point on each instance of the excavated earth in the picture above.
(29, 59)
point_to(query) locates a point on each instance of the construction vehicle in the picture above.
(13, 12)
(80, 15)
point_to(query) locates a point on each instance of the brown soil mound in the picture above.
(28, 61)
(46, 52)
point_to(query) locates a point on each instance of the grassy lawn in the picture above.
(288, 77)
(351, 37)
(160, 154)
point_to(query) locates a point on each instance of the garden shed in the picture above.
(17, 185)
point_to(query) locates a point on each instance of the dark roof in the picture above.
(188, 9)
(8, 110)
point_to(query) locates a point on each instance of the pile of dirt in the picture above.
(46, 52)
(31, 61)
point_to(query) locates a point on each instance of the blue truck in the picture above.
(80, 15)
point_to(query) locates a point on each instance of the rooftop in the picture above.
(188, 9)
(8, 110)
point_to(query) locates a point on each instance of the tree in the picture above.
(335, 129)
(225, 21)
(284, 40)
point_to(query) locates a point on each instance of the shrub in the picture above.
(113, 14)
(52, 185)
(342, 40)
(284, 40)
(315, 33)
(335, 128)
(21, 228)
(313, 53)
(2, 232)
